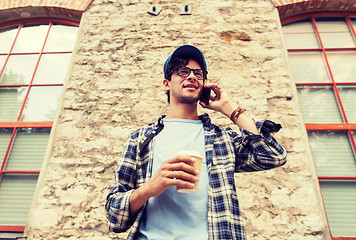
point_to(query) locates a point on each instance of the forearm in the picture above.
(137, 200)
(243, 120)
(246, 122)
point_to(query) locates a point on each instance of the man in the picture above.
(144, 196)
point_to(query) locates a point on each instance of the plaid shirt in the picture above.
(227, 152)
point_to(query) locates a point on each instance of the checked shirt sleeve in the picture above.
(260, 152)
(117, 202)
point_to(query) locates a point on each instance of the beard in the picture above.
(187, 99)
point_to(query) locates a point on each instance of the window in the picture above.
(322, 53)
(34, 58)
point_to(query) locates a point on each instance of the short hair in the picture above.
(174, 64)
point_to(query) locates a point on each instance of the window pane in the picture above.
(337, 40)
(309, 67)
(2, 61)
(319, 105)
(348, 99)
(52, 68)
(28, 149)
(335, 33)
(31, 38)
(343, 65)
(19, 69)
(333, 154)
(61, 38)
(5, 136)
(299, 27)
(353, 20)
(11, 100)
(340, 198)
(7, 37)
(42, 103)
(16, 193)
(300, 35)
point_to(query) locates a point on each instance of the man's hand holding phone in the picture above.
(219, 101)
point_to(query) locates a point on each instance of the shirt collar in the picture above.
(160, 121)
(204, 118)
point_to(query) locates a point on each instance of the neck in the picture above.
(183, 111)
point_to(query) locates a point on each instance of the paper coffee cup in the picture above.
(197, 165)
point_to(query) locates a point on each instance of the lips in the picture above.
(190, 85)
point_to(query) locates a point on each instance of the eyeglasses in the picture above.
(185, 72)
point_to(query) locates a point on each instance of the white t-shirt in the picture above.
(174, 215)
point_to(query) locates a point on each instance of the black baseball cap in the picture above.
(186, 51)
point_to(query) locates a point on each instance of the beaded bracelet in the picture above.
(236, 113)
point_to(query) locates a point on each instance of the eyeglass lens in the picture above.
(185, 71)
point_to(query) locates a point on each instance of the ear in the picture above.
(167, 84)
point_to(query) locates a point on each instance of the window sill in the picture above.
(12, 236)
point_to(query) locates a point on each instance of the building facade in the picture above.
(112, 85)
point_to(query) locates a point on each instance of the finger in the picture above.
(204, 105)
(182, 158)
(181, 163)
(215, 87)
(181, 184)
(184, 176)
(184, 167)
(218, 92)
(211, 85)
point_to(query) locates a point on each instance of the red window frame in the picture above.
(21, 124)
(345, 126)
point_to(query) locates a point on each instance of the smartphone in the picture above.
(205, 95)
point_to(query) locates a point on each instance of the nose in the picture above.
(191, 76)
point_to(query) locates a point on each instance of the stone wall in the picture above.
(115, 86)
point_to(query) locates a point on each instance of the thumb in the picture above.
(203, 104)
(209, 106)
